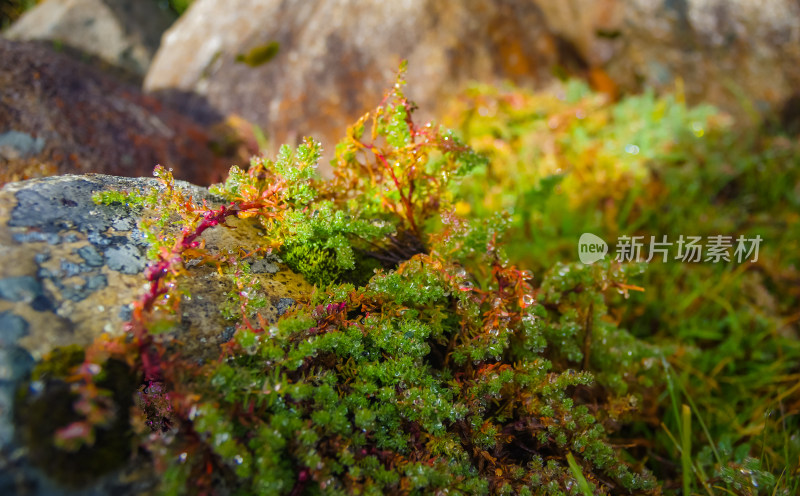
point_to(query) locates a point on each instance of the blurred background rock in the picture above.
(277, 71)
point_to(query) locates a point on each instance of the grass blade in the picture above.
(583, 484)
(686, 448)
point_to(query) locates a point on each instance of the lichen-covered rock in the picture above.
(123, 33)
(312, 67)
(724, 51)
(72, 270)
(61, 115)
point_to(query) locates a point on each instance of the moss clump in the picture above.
(316, 263)
(47, 404)
(444, 371)
(319, 265)
(110, 197)
(259, 55)
(58, 363)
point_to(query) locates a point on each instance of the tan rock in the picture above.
(121, 32)
(334, 60)
(736, 54)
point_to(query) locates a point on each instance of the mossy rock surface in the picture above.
(77, 267)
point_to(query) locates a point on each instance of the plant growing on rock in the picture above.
(421, 364)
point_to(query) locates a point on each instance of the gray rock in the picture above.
(127, 259)
(12, 327)
(121, 32)
(23, 288)
(72, 269)
(264, 266)
(14, 144)
(91, 255)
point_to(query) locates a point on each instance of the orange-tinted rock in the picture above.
(60, 115)
(334, 60)
(726, 52)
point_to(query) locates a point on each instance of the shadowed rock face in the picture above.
(72, 270)
(121, 32)
(334, 60)
(61, 115)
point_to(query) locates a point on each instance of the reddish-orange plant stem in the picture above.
(406, 200)
(156, 273)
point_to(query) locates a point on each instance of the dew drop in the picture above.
(632, 149)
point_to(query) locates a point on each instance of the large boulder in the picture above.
(121, 32)
(60, 115)
(312, 67)
(72, 269)
(309, 68)
(727, 52)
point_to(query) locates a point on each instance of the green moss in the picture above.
(437, 372)
(316, 263)
(259, 55)
(58, 364)
(320, 265)
(180, 6)
(112, 197)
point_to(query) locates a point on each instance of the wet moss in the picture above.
(318, 265)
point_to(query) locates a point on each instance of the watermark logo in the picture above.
(591, 248)
(689, 249)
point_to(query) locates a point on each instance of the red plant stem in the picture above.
(407, 206)
(302, 480)
(155, 273)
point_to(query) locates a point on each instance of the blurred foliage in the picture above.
(260, 54)
(10, 10)
(180, 6)
(569, 161)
